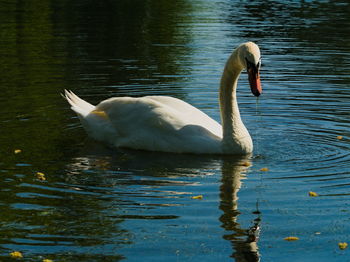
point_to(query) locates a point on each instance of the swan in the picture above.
(167, 124)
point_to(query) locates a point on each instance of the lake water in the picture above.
(103, 204)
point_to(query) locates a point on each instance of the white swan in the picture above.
(167, 124)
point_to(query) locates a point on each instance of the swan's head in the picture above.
(249, 55)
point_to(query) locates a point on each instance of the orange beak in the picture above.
(254, 81)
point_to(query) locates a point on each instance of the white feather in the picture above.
(78, 105)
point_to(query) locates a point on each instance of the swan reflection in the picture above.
(244, 241)
(144, 182)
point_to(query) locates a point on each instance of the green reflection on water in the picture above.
(47, 46)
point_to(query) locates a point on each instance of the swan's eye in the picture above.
(252, 65)
(249, 64)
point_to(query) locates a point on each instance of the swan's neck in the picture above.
(236, 138)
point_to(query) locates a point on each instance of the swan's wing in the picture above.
(160, 123)
(190, 114)
(157, 110)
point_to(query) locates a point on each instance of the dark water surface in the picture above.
(100, 204)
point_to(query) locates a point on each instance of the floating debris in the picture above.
(16, 254)
(264, 169)
(246, 163)
(17, 151)
(47, 260)
(313, 194)
(200, 197)
(40, 176)
(342, 245)
(291, 238)
(339, 137)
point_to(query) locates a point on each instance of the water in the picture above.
(100, 204)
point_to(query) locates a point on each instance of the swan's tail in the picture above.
(78, 105)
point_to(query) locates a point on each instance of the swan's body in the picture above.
(167, 124)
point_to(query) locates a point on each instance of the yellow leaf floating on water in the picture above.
(291, 238)
(197, 197)
(40, 176)
(16, 254)
(339, 137)
(247, 163)
(342, 245)
(47, 260)
(264, 169)
(17, 151)
(313, 194)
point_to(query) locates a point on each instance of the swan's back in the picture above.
(156, 123)
(161, 123)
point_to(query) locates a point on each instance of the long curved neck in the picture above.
(235, 135)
